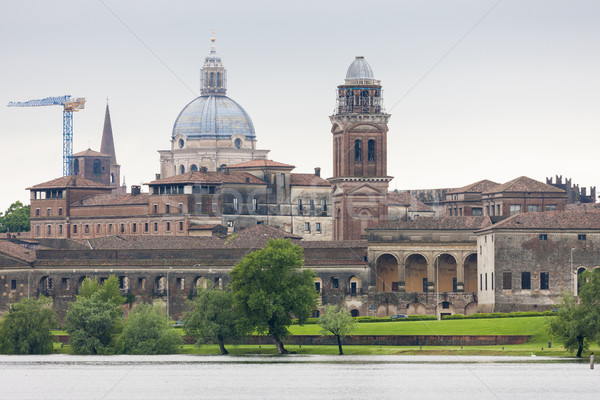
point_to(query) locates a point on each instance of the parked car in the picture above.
(178, 324)
(399, 316)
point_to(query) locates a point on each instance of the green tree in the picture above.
(269, 287)
(26, 327)
(338, 322)
(212, 316)
(148, 332)
(93, 319)
(577, 323)
(15, 218)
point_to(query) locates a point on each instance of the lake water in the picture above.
(295, 377)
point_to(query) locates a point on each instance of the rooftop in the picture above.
(260, 163)
(441, 223)
(216, 177)
(555, 220)
(308, 180)
(484, 185)
(524, 184)
(69, 181)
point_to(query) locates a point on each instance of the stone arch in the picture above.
(386, 273)
(416, 308)
(446, 308)
(182, 169)
(386, 309)
(354, 285)
(415, 273)
(446, 266)
(470, 273)
(160, 285)
(471, 308)
(79, 283)
(580, 270)
(193, 167)
(354, 312)
(199, 283)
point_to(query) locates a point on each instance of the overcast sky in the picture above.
(476, 89)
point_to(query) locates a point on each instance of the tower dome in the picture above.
(359, 69)
(213, 114)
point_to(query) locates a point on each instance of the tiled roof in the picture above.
(555, 220)
(90, 153)
(477, 187)
(114, 200)
(258, 236)
(260, 163)
(406, 199)
(16, 251)
(70, 181)
(524, 184)
(202, 227)
(308, 180)
(209, 177)
(441, 223)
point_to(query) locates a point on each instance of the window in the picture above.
(109, 228)
(134, 227)
(480, 281)
(156, 227)
(180, 205)
(97, 167)
(358, 150)
(492, 281)
(498, 207)
(486, 281)
(533, 208)
(581, 237)
(544, 281)
(282, 180)
(145, 227)
(312, 205)
(49, 230)
(335, 283)
(515, 209)
(254, 204)
(60, 230)
(318, 287)
(49, 211)
(525, 280)
(66, 283)
(425, 284)
(155, 208)
(86, 229)
(98, 227)
(235, 204)
(74, 229)
(307, 227)
(476, 211)
(37, 212)
(371, 150)
(13, 284)
(168, 226)
(122, 228)
(318, 227)
(299, 204)
(507, 280)
(454, 285)
(550, 207)
(230, 224)
(167, 208)
(181, 226)
(60, 211)
(37, 230)
(543, 236)
(324, 205)
(445, 305)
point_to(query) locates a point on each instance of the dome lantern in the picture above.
(213, 75)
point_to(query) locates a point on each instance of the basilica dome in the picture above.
(213, 117)
(359, 69)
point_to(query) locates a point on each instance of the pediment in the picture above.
(364, 190)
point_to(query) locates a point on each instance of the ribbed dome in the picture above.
(213, 117)
(359, 69)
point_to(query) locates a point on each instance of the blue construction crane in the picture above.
(69, 106)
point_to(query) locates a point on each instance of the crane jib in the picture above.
(48, 101)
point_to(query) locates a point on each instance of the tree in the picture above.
(148, 332)
(26, 327)
(15, 218)
(339, 323)
(212, 316)
(269, 287)
(578, 323)
(93, 319)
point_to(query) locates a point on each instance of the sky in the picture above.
(486, 89)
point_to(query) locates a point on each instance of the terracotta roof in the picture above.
(407, 200)
(90, 153)
(260, 163)
(477, 187)
(202, 227)
(70, 181)
(210, 177)
(441, 223)
(524, 184)
(555, 220)
(16, 251)
(151, 242)
(114, 200)
(308, 180)
(258, 236)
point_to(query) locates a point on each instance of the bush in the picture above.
(517, 314)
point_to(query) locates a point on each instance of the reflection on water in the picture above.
(294, 377)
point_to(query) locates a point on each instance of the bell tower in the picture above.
(360, 181)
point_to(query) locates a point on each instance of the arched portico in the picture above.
(446, 272)
(470, 273)
(386, 273)
(415, 272)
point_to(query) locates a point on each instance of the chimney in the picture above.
(156, 176)
(318, 171)
(135, 190)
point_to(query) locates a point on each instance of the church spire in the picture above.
(108, 146)
(213, 76)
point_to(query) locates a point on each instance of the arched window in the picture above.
(181, 169)
(222, 167)
(194, 167)
(218, 79)
(212, 79)
(371, 150)
(112, 178)
(76, 167)
(97, 167)
(358, 150)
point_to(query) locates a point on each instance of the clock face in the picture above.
(181, 143)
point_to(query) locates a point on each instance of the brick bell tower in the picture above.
(360, 181)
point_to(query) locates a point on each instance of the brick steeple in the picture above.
(107, 147)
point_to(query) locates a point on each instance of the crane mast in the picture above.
(69, 106)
